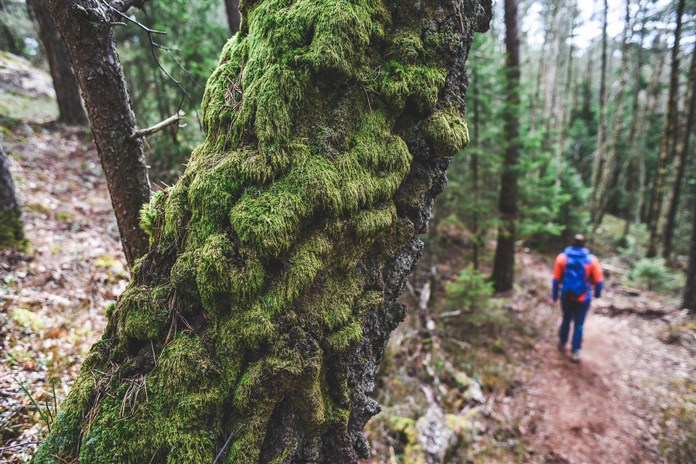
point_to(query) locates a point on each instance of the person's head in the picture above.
(579, 240)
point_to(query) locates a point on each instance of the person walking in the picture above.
(575, 272)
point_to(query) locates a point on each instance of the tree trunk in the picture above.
(11, 228)
(504, 261)
(681, 161)
(602, 191)
(70, 107)
(474, 166)
(86, 28)
(656, 199)
(234, 18)
(601, 151)
(689, 299)
(8, 40)
(567, 107)
(253, 328)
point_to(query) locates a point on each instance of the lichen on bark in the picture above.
(262, 309)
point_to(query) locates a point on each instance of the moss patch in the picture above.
(12, 230)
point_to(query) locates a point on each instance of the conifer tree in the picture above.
(504, 261)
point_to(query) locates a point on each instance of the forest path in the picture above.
(52, 300)
(606, 408)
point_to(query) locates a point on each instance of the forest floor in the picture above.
(506, 391)
(637, 364)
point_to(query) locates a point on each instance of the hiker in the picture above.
(574, 273)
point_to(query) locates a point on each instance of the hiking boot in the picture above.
(561, 347)
(575, 357)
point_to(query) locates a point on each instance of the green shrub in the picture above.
(678, 444)
(653, 274)
(472, 293)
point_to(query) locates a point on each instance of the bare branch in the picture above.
(159, 126)
(124, 5)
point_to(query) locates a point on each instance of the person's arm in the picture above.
(597, 278)
(558, 270)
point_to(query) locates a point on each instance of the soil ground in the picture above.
(607, 408)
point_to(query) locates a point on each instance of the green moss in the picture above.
(413, 450)
(447, 132)
(12, 230)
(143, 312)
(65, 439)
(151, 215)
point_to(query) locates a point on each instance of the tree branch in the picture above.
(140, 133)
(124, 5)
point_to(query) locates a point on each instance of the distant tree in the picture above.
(504, 261)
(601, 150)
(87, 31)
(67, 91)
(252, 329)
(11, 228)
(681, 161)
(8, 38)
(668, 131)
(602, 189)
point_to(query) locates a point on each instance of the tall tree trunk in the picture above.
(70, 107)
(253, 328)
(634, 158)
(681, 161)
(86, 29)
(602, 191)
(234, 18)
(656, 199)
(11, 227)
(474, 166)
(689, 298)
(8, 40)
(504, 261)
(567, 110)
(601, 150)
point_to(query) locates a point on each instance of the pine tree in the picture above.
(504, 261)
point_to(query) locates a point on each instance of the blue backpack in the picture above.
(575, 279)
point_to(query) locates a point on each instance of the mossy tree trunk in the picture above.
(253, 327)
(11, 228)
(504, 260)
(70, 107)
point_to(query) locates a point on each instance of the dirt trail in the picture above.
(603, 410)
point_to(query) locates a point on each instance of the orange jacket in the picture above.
(593, 271)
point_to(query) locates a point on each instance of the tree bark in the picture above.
(234, 18)
(601, 151)
(70, 107)
(656, 199)
(681, 161)
(602, 190)
(86, 29)
(474, 167)
(504, 261)
(8, 40)
(253, 328)
(11, 227)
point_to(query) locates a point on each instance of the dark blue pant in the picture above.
(573, 311)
